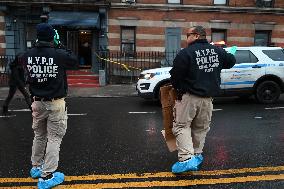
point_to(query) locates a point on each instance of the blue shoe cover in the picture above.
(199, 158)
(35, 172)
(188, 165)
(57, 179)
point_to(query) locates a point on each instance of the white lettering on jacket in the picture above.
(207, 59)
(42, 68)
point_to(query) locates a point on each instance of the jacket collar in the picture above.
(199, 41)
(44, 44)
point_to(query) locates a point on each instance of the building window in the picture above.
(262, 38)
(218, 35)
(128, 45)
(175, 1)
(220, 2)
(128, 1)
(264, 3)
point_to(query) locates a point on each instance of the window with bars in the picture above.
(128, 40)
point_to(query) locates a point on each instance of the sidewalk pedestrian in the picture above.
(16, 81)
(196, 77)
(47, 80)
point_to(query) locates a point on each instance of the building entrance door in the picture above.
(80, 42)
(85, 48)
(72, 41)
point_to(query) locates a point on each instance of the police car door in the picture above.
(276, 67)
(245, 72)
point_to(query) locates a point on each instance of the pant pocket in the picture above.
(179, 113)
(57, 123)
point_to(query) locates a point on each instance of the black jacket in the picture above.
(196, 69)
(17, 76)
(47, 67)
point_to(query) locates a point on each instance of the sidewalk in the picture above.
(105, 91)
(117, 90)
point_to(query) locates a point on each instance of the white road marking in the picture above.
(214, 110)
(257, 117)
(77, 114)
(28, 110)
(156, 112)
(274, 108)
(21, 110)
(141, 112)
(7, 116)
(104, 96)
(149, 130)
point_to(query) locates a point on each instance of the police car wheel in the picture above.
(267, 92)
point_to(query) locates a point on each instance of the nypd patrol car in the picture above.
(258, 71)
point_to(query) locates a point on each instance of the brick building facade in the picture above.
(2, 34)
(131, 26)
(160, 25)
(81, 26)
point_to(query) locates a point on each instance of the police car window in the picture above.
(245, 56)
(276, 55)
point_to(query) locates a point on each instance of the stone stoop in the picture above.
(82, 78)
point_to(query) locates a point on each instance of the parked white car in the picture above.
(258, 71)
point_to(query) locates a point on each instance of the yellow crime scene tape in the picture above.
(231, 50)
(118, 63)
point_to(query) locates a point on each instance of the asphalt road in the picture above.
(117, 143)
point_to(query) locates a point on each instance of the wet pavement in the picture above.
(117, 142)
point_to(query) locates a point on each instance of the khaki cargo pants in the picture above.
(192, 117)
(49, 125)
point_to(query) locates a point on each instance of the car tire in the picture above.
(267, 92)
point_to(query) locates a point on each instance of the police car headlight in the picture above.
(147, 76)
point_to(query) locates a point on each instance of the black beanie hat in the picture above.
(45, 32)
